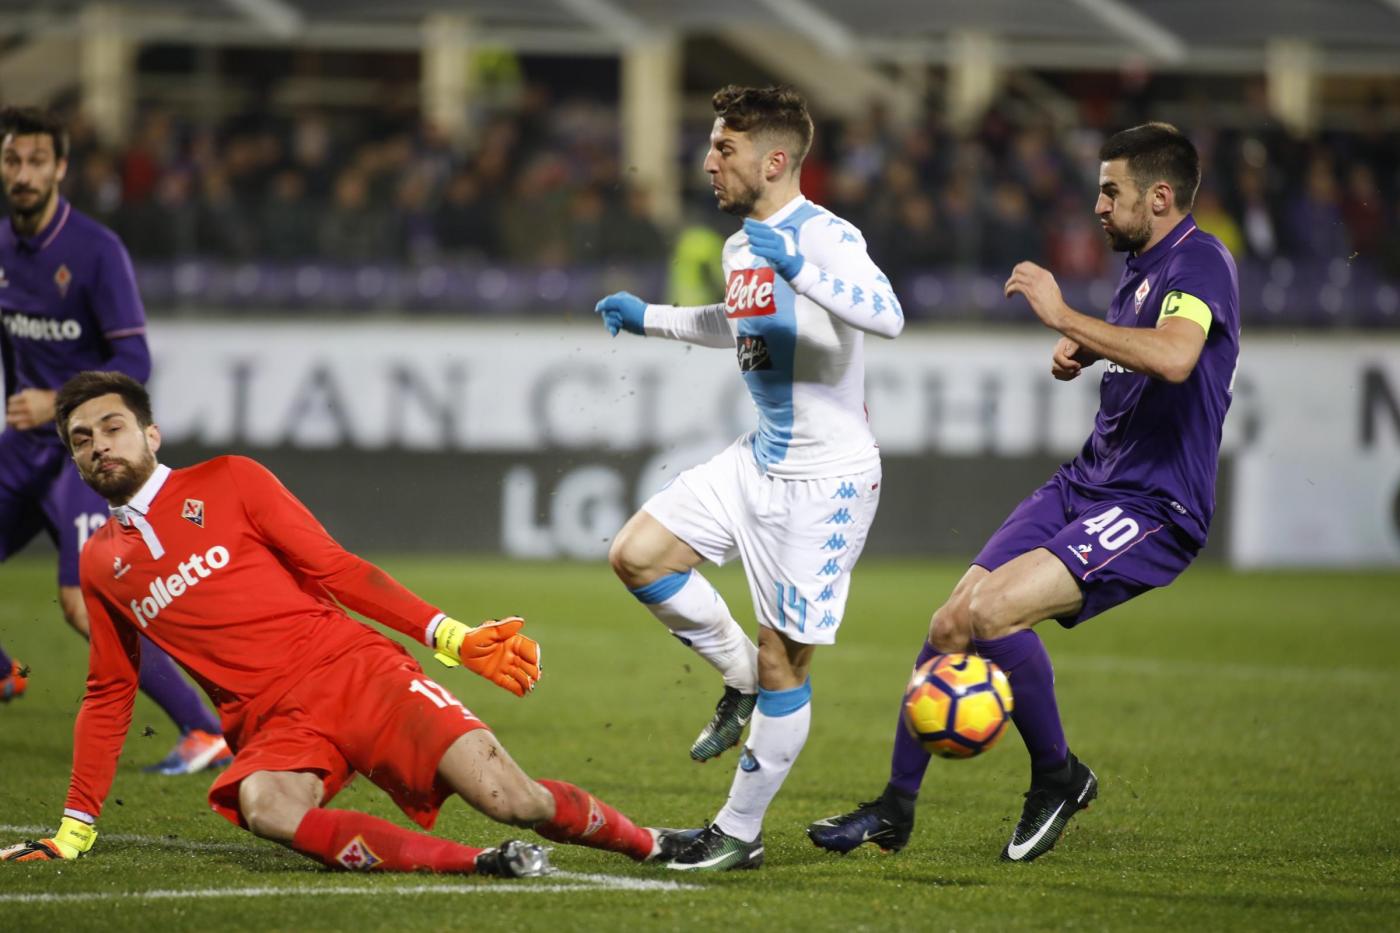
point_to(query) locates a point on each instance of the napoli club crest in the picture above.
(1140, 295)
(194, 511)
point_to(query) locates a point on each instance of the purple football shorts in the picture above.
(40, 490)
(1116, 546)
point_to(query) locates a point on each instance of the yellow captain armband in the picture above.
(1180, 304)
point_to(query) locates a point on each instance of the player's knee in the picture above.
(950, 629)
(986, 612)
(270, 812)
(272, 818)
(628, 561)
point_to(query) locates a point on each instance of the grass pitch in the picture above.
(1242, 727)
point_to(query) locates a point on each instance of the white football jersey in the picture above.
(799, 343)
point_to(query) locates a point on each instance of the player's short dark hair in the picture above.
(31, 121)
(1158, 152)
(86, 386)
(775, 110)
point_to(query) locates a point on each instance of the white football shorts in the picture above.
(799, 539)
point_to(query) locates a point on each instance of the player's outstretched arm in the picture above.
(74, 838)
(704, 325)
(836, 272)
(114, 659)
(1168, 352)
(495, 649)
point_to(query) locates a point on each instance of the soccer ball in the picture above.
(957, 705)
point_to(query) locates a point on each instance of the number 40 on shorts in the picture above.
(1112, 528)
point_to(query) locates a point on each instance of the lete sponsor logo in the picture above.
(750, 293)
(165, 590)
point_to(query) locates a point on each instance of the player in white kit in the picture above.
(793, 498)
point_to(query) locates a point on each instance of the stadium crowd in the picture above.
(541, 185)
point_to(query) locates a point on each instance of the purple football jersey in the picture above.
(65, 294)
(1152, 438)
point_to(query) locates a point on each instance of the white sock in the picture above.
(695, 613)
(776, 736)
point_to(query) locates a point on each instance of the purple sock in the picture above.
(1037, 716)
(6, 665)
(161, 681)
(909, 761)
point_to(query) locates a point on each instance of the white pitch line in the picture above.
(572, 883)
(184, 845)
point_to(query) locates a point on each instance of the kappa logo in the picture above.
(750, 293)
(63, 278)
(357, 856)
(193, 511)
(1140, 295)
(118, 568)
(1082, 552)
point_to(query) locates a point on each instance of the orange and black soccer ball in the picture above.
(957, 705)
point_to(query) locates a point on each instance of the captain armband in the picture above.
(1180, 304)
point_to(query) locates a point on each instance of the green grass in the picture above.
(1242, 727)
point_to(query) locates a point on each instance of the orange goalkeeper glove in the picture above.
(74, 837)
(494, 649)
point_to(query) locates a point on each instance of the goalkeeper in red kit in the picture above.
(228, 572)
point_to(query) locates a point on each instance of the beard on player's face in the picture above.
(740, 194)
(115, 478)
(27, 201)
(1132, 234)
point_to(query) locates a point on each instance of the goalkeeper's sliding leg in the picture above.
(286, 807)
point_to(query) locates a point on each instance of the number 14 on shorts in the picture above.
(438, 695)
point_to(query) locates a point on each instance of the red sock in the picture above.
(357, 841)
(584, 820)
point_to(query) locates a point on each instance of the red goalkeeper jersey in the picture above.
(228, 572)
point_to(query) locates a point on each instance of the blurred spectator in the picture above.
(1258, 220)
(1011, 233)
(917, 241)
(538, 181)
(1212, 217)
(224, 228)
(1363, 210)
(465, 220)
(1316, 229)
(288, 219)
(353, 230)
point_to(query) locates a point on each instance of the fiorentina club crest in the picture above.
(194, 511)
(357, 856)
(1140, 295)
(63, 278)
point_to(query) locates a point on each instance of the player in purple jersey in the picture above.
(68, 303)
(1129, 513)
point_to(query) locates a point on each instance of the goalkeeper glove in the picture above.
(74, 838)
(494, 649)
